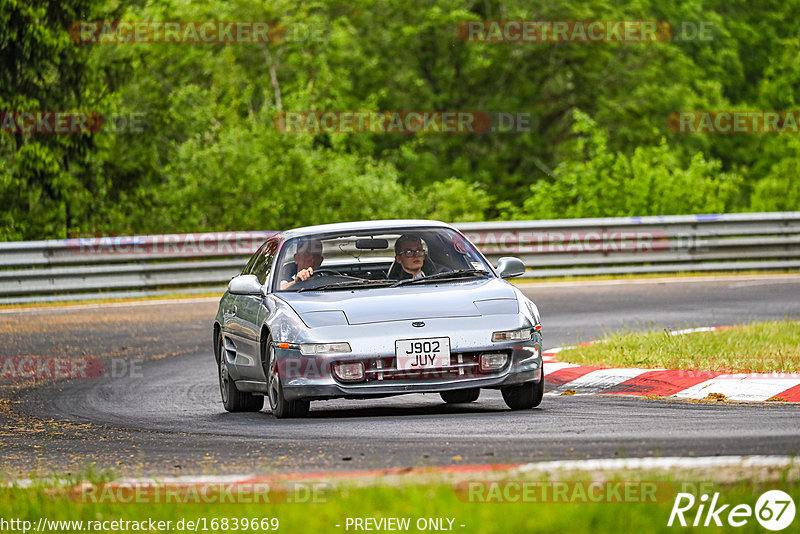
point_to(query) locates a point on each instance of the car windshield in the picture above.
(366, 259)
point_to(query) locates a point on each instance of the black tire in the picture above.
(460, 396)
(526, 396)
(232, 399)
(281, 408)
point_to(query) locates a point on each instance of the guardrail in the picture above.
(82, 268)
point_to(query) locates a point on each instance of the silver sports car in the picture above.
(374, 309)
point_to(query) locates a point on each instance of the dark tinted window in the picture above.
(264, 259)
(248, 269)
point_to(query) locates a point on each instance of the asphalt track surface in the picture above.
(165, 416)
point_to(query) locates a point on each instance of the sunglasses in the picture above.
(410, 253)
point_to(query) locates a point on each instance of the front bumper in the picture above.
(311, 377)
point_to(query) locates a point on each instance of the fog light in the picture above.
(493, 361)
(349, 372)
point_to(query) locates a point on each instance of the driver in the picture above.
(307, 258)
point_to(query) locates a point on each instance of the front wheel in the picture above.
(281, 408)
(460, 396)
(525, 396)
(232, 399)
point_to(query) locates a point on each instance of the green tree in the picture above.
(211, 158)
(48, 179)
(597, 182)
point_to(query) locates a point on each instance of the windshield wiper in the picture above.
(348, 284)
(461, 273)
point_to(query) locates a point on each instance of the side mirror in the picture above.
(509, 267)
(246, 284)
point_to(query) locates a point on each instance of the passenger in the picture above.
(410, 255)
(307, 258)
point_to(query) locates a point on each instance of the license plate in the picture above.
(422, 354)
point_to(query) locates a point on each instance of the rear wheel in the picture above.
(525, 396)
(460, 396)
(281, 408)
(232, 399)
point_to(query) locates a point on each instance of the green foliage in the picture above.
(455, 200)
(779, 190)
(47, 178)
(596, 182)
(260, 181)
(210, 157)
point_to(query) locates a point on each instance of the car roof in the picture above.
(362, 225)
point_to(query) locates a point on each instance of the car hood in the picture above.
(426, 301)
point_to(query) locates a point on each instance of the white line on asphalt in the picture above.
(602, 464)
(668, 462)
(187, 300)
(763, 278)
(152, 481)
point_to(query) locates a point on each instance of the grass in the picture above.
(766, 347)
(538, 513)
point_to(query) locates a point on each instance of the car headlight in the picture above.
(324, 348)
(513, 335)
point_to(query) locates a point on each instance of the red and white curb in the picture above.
(561, 377)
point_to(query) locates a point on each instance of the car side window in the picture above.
(264, 261)
(248, 269)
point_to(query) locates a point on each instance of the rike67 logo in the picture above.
(774, 510)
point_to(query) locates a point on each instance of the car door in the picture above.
(250, 314)
(233, 330)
